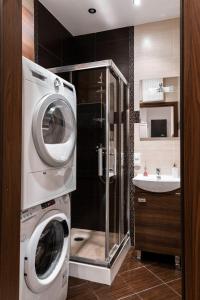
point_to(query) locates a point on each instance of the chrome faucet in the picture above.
(158, 171)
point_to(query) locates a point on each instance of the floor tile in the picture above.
(75, 281)
(134, 297)
(164, 271)
(84, 291)
(162, 292)
(176, 285)
(140, 279)
(118, 289)
(86, 296)
(130, 263)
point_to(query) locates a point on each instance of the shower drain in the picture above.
(78, 239)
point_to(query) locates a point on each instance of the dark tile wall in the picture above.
(132, 121)
(55, 46)
(53, 43)
(117, 45)
(112, 44)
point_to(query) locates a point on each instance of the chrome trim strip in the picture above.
(121, 178)
(128, 155)
(107, 225)
(92, 65)
(116, 253)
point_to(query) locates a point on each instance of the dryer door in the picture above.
(54, 130)
(46, 252)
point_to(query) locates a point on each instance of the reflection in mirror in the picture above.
(157, 163)
(159, 120)
(159, 108)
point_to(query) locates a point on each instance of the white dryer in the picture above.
(44, 251)
(48, 136)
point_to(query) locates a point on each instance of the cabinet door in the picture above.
(157, 222)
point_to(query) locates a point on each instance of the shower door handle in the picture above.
(113, 163)
(100, 162)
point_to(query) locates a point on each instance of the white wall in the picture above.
(157, 154)
(157, 55)
(156, 51)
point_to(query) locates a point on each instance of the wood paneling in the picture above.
(157, 222)
(191, 146)
(10, 146)
(28, 29)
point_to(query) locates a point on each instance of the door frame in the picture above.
(10, 145)
(190, 143)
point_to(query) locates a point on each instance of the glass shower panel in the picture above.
(89, 200)
(114, 164)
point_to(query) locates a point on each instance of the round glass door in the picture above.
(49, 249)
(54, 130)
(46, 252)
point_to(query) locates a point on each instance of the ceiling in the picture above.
(111, 14)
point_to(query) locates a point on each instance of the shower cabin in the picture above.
(100, 205)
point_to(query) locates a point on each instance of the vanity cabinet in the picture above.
(158, 222)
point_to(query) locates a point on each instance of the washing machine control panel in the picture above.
(27, 214)
(37, 210)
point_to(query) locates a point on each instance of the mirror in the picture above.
(159, 108)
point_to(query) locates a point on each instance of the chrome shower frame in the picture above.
(110, 67)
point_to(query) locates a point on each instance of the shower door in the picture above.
(89, 200)
(117, 156)
(100, 203)
(113, 154)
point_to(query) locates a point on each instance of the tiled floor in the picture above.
(149, 280)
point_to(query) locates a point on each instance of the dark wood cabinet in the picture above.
(158, 222)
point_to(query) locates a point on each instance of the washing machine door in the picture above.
(54, 130)
(46, 252)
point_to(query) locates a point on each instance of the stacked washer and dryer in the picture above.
(48, 176)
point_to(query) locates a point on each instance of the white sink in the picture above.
(151, 183)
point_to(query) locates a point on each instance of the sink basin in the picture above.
(152, 184)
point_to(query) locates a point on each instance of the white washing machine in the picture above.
(44, 251)
(48, 136)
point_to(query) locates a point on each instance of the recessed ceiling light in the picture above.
(137, 2)
(92, 11)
